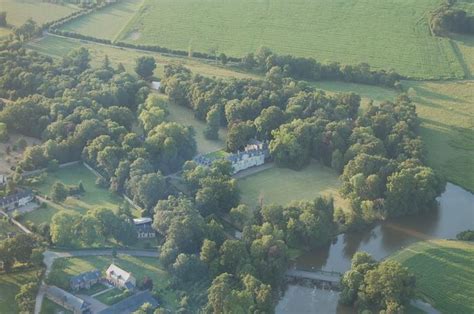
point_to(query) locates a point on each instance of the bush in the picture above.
(467, 235)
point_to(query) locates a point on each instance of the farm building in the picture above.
(120, 278)
(131, 304)
(85, 280)
(254, 154)
(144, 228)
(67, 300)
(20, 198)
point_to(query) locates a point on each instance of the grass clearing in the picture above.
(57, 47)
(283, 185)
(338, 30)
(10, 286)
(444, 273)
(105, 23)
(138, 266)
(93, 197)
(185, 116)
(18, 11)
(446, 110)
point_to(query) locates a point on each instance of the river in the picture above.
(454, 214)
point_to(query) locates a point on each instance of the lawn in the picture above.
(10, 286)
(18, 11)
(49, 307)
(282, 185)
(105, 297)
(386, 34)
(93, 197)
(105, 23)
(185, 116)
(138, 266)
(57, 47)
(444, 273)
(446, 110)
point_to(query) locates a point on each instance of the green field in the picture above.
(105, 23)
(10, 286)
(444, 273)
(185, 116)
(282, 185)
(18, 11)
(138, 266)
(57, 47)
(386, 34)
(446, 110)
(93, 197)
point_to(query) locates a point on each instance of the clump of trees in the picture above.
(69, 229)
(448, 19)
(60, 191)
(377, 286)
(467, 235)
(20, 249)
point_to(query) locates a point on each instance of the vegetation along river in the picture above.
(455, 214)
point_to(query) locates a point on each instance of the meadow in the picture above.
(444, 273)
(446, 110)
(57, 47)
(340, 30)
(282, 185)
(138, 266)
(105, 23)
(18, 11)
(93, 197)
(10, 286)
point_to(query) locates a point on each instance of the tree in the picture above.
(212, 124)
(144, 66)
(3, 19)
(64, 228)
(219, 294)
(25, 299)
(3, 132)
(59, 192)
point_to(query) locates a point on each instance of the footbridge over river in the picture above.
(329, 279)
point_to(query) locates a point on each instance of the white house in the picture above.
(144, 228)
(120, 278)
(254, 154)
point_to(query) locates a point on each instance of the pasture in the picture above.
(57, 47)
(93, 197)
(18, 11)
(138, 266)
(386, 34)
(446, 110)
(105, 23)
(10, 286)
(444, 273)
(282, 185)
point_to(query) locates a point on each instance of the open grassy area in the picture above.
(49, 307)
(18, 11)
(57, 47)
(105, 23)
(185, 116)
(444, 273)
(93, 197)
(282, 185)
(138, 266)
(386, 34)
(10, 286)
(447, 113)
(106, 297)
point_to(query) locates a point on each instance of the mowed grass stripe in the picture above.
(386, 34)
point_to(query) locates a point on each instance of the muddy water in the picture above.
(455, 214)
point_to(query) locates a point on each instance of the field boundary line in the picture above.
(460, 58)
(125, 27)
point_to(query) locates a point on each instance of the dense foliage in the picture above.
(374, 286)
(467, 235)
(448, 19)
